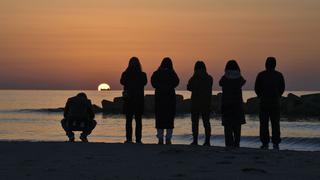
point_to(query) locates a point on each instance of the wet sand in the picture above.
(102, 161)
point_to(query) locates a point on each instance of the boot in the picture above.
(194, 143)
(168, 142)
(208, 136)
(160, 141)
(264, 146)
(195, 140)
(207, 141)
(71, 139)
(84, 138)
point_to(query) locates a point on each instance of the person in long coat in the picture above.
(232, 103)
(200, 85)
(133, 79)
(165, 80)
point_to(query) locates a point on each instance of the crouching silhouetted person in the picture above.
(78, 116)
(133, 80)
(269, 87)
(232, 104)
(200, 85)
(165, 80)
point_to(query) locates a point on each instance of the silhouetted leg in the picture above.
(237, 135)
(275, 124)
(88, 130)
(160, 135)
(207, 127)
(264, 126)
(228, 137)
(138, 119)
(195, 127)
(69, 133)
(129, 118)
(169, 136)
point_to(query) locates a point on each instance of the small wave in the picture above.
(291, 143)
(44, 110)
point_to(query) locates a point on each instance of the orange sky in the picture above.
(76, 44)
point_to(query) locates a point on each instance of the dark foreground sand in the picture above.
(100, 161)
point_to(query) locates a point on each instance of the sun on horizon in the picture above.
(104, 87)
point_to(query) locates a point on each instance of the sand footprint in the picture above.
(253, 170)
(223, 162)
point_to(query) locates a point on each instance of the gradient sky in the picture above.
(77, 44)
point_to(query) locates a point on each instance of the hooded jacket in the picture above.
(200, 85)
(269, 86)
(78, 109)
(232, 101)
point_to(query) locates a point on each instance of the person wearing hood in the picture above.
(232, 104)
(269, 87)
(133, 80)
(78, 116)
(165, 80)
(200, 85)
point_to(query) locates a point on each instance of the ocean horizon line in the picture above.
(122, 89)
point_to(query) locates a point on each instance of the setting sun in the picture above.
(104, 87)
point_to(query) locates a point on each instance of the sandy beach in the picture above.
(101, 161)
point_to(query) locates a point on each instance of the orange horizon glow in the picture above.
(75, 44)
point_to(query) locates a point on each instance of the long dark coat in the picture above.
(133, 92)
(200, 85)
(232, 101)
(165, 81)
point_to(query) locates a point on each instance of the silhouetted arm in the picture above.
(211, 82)
(190, 84)
(123, 79)
(176, 80)
(221, 82)
(154, 80)
(66, 109)
(242, 82)
(257, 86)
(144, 79)
(282, 85)
(90, 110)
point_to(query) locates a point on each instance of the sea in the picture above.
(23, 117)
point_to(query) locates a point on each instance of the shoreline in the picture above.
(22, 141)
(288, 118)
(61, 160)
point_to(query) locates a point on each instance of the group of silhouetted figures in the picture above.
(269, 87)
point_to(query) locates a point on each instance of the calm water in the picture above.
(20, 120)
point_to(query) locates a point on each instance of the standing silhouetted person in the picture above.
(269, 87)
(232, 104)
(200, 85)
(165, 80)
(78, 116)
(133, 80)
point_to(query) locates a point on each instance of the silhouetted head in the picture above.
(271, 63)
(134, 65)
(200, 67)
(82, 95)
(166, 64)
(232, 65)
